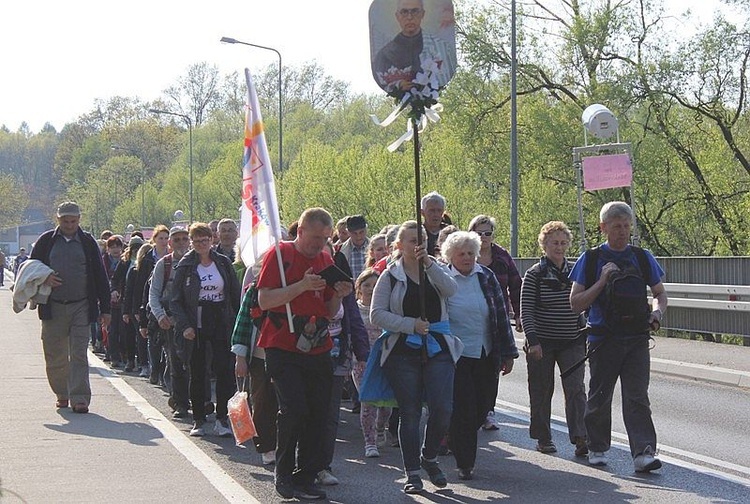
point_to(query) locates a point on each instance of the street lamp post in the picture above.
(143, 181)
(190, 139)
(230, 40)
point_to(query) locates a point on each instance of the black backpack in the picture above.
(625, 307)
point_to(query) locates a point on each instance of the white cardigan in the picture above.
(386, 309)
(29, 285)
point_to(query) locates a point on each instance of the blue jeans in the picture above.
(413, 382)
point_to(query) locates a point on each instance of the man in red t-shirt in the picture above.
(300, 364)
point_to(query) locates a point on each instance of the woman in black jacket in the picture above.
(205, 301)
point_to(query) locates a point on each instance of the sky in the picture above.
(58, 57)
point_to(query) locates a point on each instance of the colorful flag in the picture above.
(259, 222)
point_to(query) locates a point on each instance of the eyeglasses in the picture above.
(485, 233)
(201, 241)
(416, 11)
(180, 239)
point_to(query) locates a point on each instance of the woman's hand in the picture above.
(189, 333)
(420, 252)
(535, 352)
(421, 326)
(506, 367)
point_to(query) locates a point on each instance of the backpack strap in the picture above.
(592, 258)
(643, 263)
(167, 271)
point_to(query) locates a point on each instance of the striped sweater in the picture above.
(545, 304)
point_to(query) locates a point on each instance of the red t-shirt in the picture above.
(307, 303)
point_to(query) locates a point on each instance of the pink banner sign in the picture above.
(606, 172)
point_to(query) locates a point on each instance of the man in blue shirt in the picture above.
(614, 353)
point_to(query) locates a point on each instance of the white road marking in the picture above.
(225, 484)
(510, 409)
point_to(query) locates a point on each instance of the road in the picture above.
(126, 449)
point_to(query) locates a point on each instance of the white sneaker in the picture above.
(381, 438)
(326, 478)
(145, 372)
(197, 430)
(268, 457)
(597, 458)
(646, 461)
(371, 452)
(221, 428)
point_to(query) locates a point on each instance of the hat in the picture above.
(176, 230)
(355, 223)
(69, 208)
(135, 241)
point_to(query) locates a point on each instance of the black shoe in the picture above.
(153, 377)
(130, 366)
(180, 413)
(465, 474)
(309, 492)
(285, 489)
(413, 484)
(433, 471)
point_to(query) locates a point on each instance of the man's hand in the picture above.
(165, 323)
(189, 333)
(343, 289)
(53, 280)
(114, 297)
(608, 269)
(654, 320)
(312, 282)
(506, 367)
(105, 319)
(126, 318)
(144, 332)
(240, 366)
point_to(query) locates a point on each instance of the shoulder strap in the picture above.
(643, 263)
(592, 258)
(167, 271)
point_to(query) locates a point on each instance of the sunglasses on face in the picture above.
(485, 233)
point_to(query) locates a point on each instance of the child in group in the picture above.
(373, 419)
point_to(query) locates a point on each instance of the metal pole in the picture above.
(230, 40)
(513, 136)
(190, 139)
(418, 200)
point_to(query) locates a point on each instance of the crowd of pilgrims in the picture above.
(185, 312)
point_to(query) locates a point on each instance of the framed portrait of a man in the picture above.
(411, 36)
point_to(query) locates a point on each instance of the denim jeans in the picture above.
(413, 382)
(303, 388)
(628, 359)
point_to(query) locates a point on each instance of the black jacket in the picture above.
(98, 284)
(186, 290)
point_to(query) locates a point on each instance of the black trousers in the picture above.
(211, 342)
(178, 372)
(474, 392)
(303, 387)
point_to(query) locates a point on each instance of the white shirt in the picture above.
(212, 283)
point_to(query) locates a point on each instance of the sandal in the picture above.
(80, 408)
(413, 484)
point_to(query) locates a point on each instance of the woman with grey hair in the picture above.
(553, 336)
(501, 263)
(479, 319)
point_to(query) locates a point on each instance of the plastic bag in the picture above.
(243, 427)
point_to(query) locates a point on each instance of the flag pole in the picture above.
(272, 215)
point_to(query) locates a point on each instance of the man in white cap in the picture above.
(80, 296)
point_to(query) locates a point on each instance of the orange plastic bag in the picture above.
(243, 427)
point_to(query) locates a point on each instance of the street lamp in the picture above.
(190, 137)
(143, 180)
(230, 40)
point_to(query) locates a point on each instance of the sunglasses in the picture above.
(485, 233)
